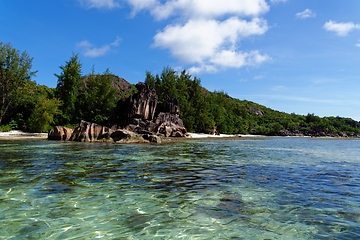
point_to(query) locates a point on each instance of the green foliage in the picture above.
(23, 103)
(195, 109)
(43, 114)
(67, 88)
(15, 73)
(8, 127)
(22, 109)
(201, 111)
(96, 98)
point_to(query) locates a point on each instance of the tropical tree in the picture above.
(97, 97)
(15, 72)
(67, 87)
(21, 109)
(43, 114)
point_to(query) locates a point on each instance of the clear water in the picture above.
(276, 188)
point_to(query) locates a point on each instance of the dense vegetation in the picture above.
(93, 97)
(202, 110)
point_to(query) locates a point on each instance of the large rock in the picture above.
(60, 133)
(91, 132)
(141, 113)
(140, 105)
(125, 136)
(170, 125)
(139, 119)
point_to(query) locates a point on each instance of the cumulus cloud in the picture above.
(209, 8)
(341, 29)
(212, 44)
(90, 50)
(307, 13)
(200, 8)
(207, 34)
(109, 4)
(139, 5)
(358, 44)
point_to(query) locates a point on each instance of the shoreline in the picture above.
(223, 136)
(20, 135)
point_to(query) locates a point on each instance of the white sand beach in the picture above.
(204, 135)
(17, 134)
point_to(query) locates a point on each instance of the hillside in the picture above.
(203, 111)
(39, 108)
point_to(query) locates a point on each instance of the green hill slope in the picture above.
(202, 111)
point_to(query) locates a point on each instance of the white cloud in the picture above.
(341, 29)
(109, 4)
(210, 8)
(139, 5)
(229, 59)
(199, 39)
(207, 33)
(307, 13)
(90, 50)
(200, 8)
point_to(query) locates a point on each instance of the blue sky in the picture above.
(295, 56)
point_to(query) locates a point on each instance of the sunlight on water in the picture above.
(277, 188)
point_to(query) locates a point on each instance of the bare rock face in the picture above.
(170, 125)
(60, 133)
(141, 113)
(140, 118)
(140, 105)
(125, 136)
(91, 132)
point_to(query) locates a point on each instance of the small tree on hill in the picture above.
(67, 87)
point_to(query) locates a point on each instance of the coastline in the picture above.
(19, 135)
(226, 136)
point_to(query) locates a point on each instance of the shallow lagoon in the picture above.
(275, 188)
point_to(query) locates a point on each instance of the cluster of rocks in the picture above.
(92, 132)
(140, 118)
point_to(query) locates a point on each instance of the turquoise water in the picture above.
(275, 188)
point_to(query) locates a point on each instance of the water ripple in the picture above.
(278, 188)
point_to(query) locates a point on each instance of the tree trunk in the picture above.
(3, 110)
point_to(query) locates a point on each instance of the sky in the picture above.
(294, 56)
